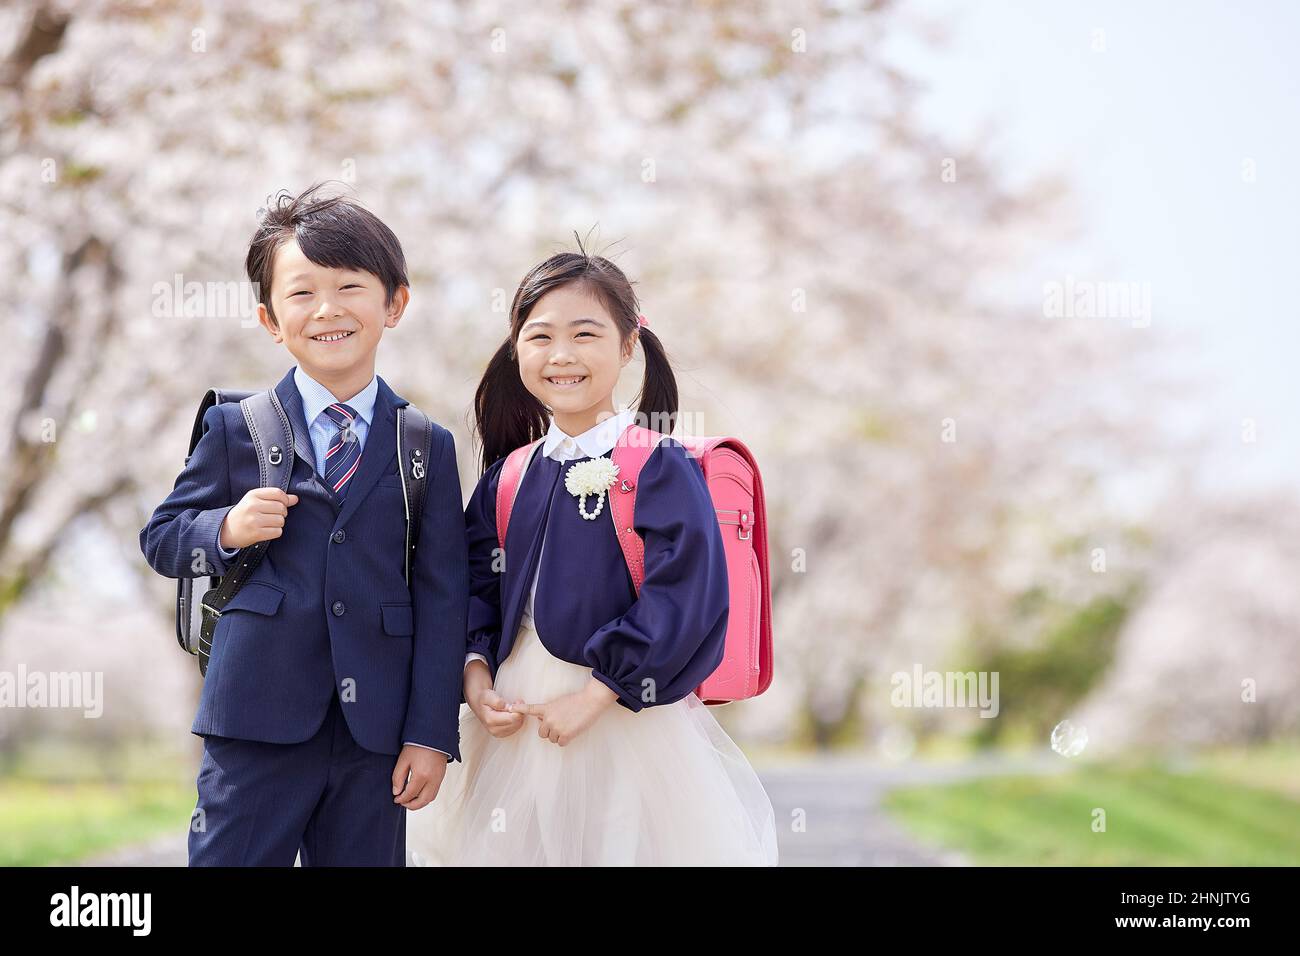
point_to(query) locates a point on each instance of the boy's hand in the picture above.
(259, 516)
(426, 768)
(565, 717)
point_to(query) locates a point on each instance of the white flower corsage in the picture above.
(591, 477)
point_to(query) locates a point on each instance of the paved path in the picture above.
(839, 797)
(844, 824)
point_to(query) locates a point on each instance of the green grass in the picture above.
(1236, 808)
(1231, 807)
(43, 823)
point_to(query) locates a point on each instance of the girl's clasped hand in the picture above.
(559, 720)
(566, 716)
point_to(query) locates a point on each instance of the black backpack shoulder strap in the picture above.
(185, 586)
(268, 424)
(414, 446)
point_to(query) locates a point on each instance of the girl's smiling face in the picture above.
(330, 319)
(570, 356)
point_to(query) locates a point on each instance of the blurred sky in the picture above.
(1152, 133)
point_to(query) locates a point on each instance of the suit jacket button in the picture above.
(338, 609)
(338, 536)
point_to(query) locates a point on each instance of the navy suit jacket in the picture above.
(327, 608)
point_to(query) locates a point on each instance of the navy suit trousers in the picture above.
(326, 798)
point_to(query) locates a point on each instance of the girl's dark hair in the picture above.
(332, 231)
(507, 415)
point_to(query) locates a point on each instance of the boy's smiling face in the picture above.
(330, 319)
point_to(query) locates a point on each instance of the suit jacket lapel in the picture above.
(378, 454)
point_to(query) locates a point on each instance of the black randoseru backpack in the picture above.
(273, 439)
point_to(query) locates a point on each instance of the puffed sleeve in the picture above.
(671, 638)
(485, 569)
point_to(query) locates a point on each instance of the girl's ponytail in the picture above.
(657, 404)
(506, 414)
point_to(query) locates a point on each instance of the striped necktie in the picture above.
(345, 450)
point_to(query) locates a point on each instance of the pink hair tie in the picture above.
(642, 321)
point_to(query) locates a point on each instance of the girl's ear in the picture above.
(629, 348)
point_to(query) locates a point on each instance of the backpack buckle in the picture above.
(275, 457)
(417, 465)
(746, 526)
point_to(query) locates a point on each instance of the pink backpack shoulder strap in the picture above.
(512, 473)
(632, 451)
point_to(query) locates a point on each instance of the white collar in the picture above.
(594, 442)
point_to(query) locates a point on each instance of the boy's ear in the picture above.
(268, 323)
(401, 298)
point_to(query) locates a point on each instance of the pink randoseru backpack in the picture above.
(737, 491)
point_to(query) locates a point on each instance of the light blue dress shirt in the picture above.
(316, 398)
(322, 430)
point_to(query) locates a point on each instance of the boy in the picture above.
(324, 666)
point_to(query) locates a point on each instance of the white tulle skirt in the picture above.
(662, 787)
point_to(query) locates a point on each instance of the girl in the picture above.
(585, 743)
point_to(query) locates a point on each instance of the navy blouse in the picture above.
(652, 649)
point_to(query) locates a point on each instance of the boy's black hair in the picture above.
(332, 231)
